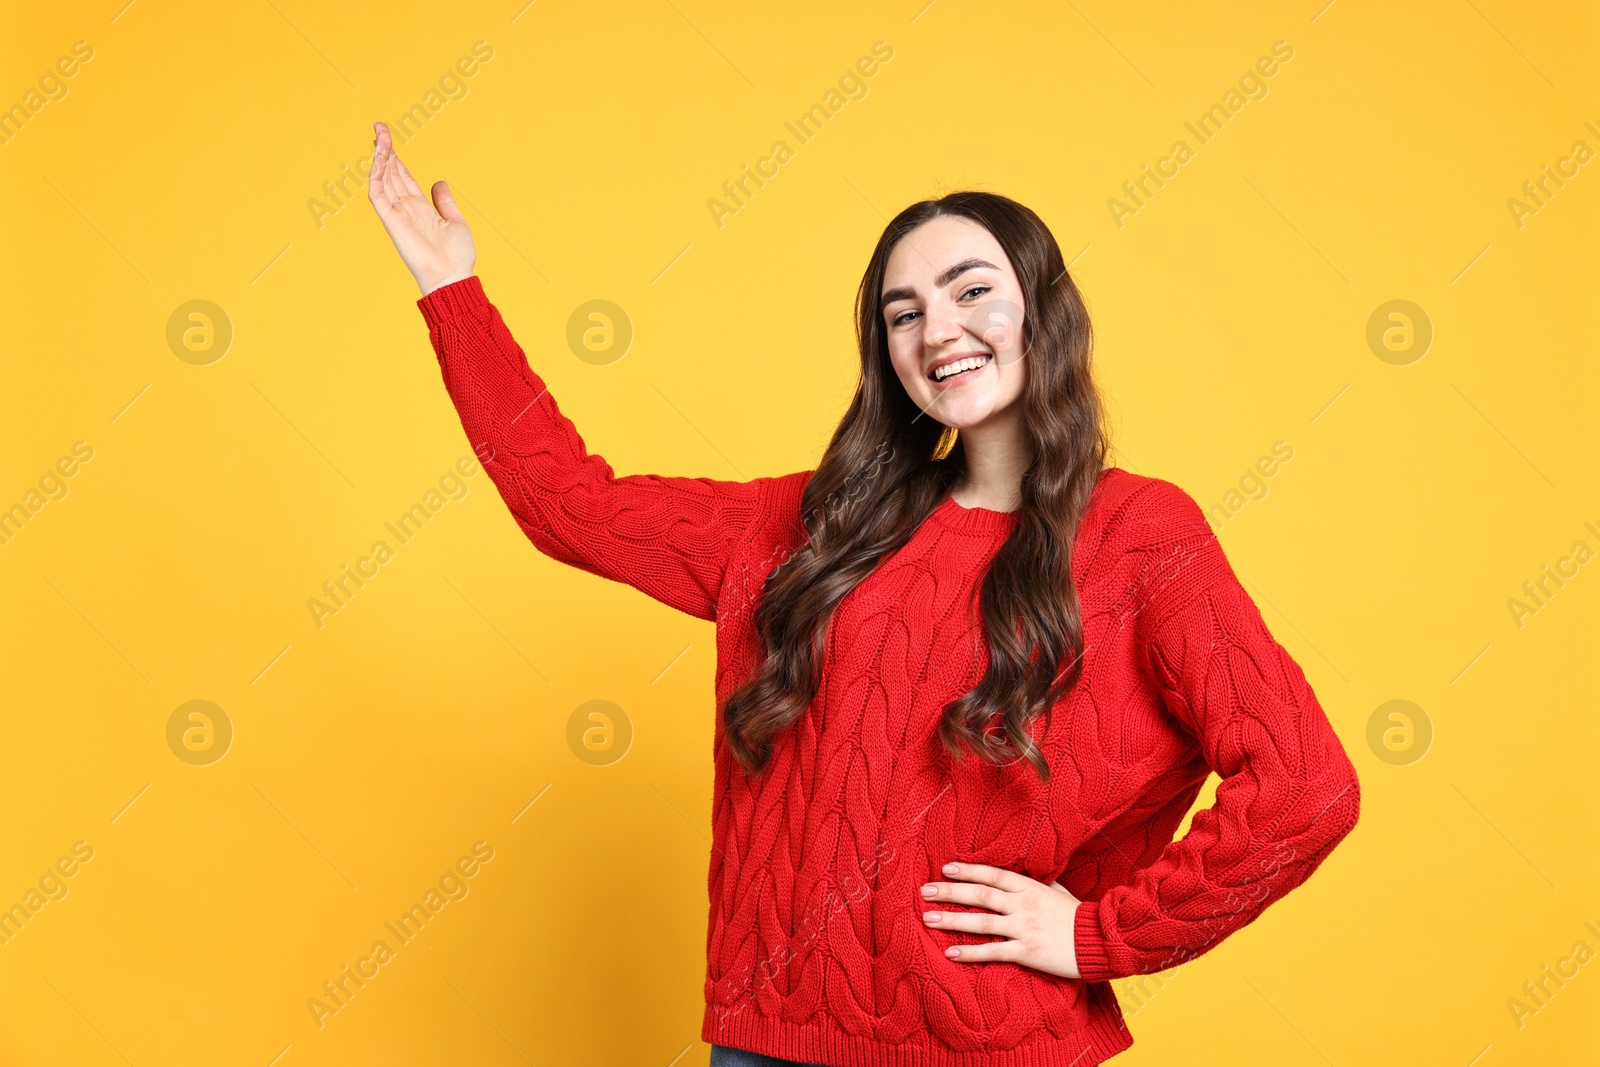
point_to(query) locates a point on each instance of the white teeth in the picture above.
(958, 366)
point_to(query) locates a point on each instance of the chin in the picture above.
(967, 412)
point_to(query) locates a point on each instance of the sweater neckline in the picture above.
(955, 516)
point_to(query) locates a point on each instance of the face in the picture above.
(951, 295)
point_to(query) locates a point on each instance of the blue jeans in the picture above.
(723, 1056)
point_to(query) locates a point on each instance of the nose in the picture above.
(941, 324)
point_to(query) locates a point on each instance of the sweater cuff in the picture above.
(1093, 963)
(458, 298)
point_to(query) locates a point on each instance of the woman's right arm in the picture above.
(670, 537)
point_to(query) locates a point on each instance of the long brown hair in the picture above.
(887, 468)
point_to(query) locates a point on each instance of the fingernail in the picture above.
(931, 916)
(952, 952)
(951, 868)
(929, 890)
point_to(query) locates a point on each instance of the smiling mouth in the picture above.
(961, 369)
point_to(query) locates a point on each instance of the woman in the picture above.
(969, 678)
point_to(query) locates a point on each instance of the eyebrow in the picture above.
(950, 275)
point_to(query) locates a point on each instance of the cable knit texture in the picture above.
(815, 946)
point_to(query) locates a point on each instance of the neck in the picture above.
(995, 454)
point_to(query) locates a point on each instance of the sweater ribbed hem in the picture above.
(1094, 965)
(825, 1043)
(450, 301)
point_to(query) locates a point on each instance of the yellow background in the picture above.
(432, 710)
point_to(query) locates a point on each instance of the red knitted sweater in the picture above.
(815, 946)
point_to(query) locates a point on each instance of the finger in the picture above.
(380, 179)
(409, 182)
(387, 165)
(445, 201)
(991, 951)
(982, 896)
(380, 161)
(402, 189)
(394, 186)
(382, 148)
(999, 877)
(972, 922)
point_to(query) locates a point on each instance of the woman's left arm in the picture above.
(1288, 794)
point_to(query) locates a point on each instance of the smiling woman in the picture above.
(979, 305)
(962, 663)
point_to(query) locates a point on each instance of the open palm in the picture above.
(432, 238)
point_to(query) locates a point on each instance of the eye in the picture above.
(900, 319)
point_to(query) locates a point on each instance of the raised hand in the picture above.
(1036, 919)
(432, 238)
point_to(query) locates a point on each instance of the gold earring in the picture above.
(946, 443)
